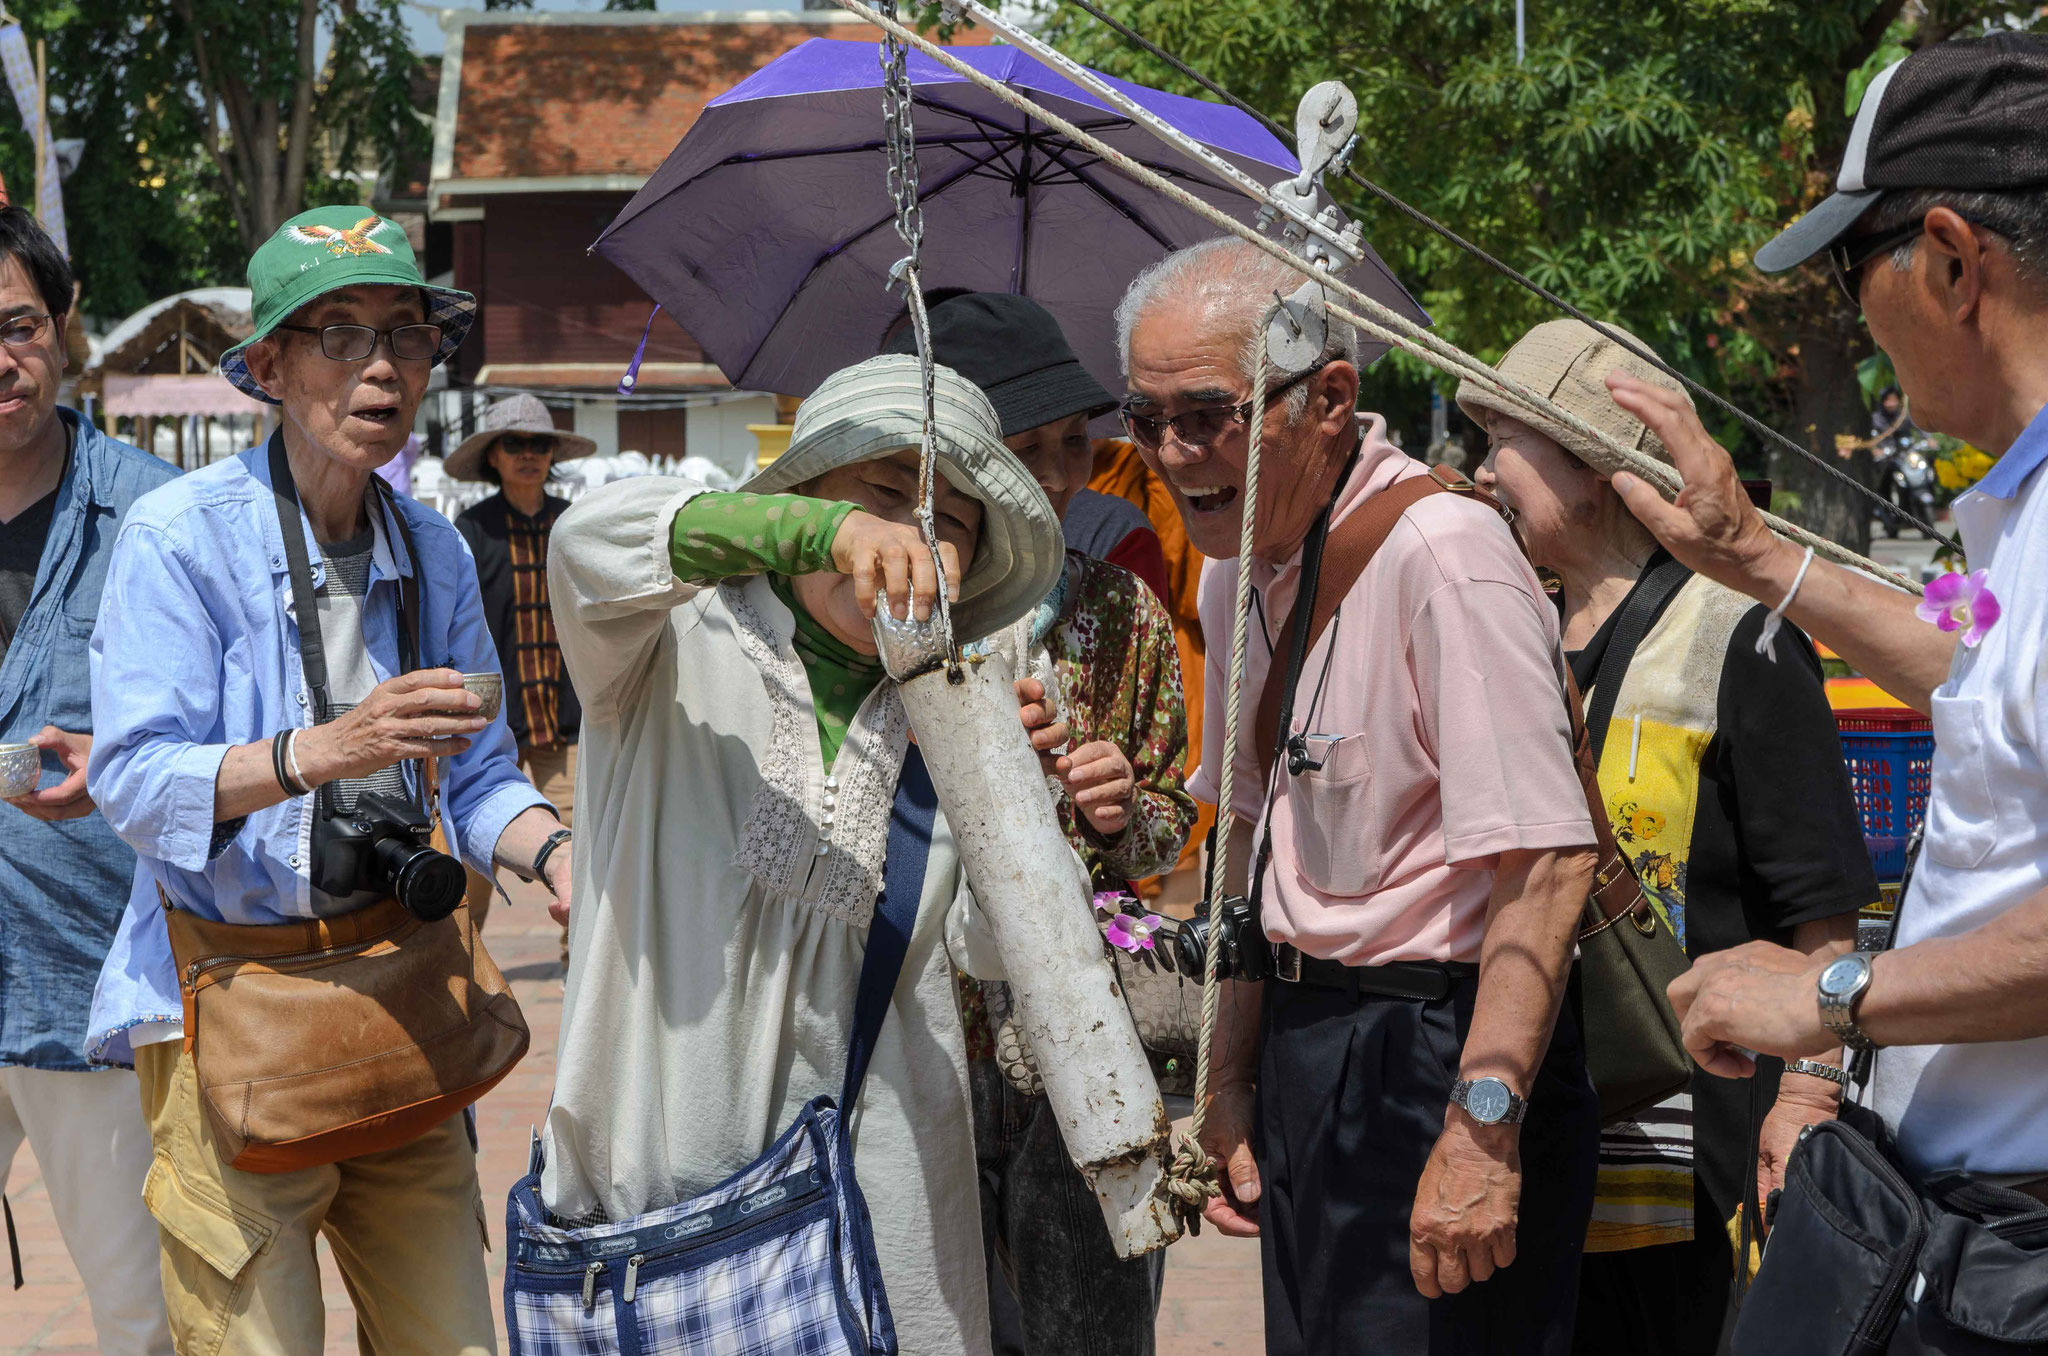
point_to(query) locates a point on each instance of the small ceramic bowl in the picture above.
(21, 767)
(490, 687)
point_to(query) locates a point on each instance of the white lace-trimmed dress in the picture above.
(718, 925)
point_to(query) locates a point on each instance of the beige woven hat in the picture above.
(875, 409)
(1567, 361)
(521, 413)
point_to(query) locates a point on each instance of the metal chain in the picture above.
(1520, 279)
(900, 139)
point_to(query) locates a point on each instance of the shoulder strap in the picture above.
(1638, 614)
(1350, 548)
(910, 842)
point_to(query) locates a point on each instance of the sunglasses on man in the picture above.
(1202, 427)
(1847, 257)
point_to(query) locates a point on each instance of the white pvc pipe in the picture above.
(1037, 906)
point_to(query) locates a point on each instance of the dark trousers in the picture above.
(1351, 1100)
(1674, 1299)
(1056, 1285)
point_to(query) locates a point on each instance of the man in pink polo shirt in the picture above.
(1403, 1117)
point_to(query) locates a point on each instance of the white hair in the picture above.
(1233, 282)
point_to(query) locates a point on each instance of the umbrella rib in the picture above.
(924, 196)
(1112, 199)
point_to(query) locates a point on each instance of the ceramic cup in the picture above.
(490, 687)
(21, 767)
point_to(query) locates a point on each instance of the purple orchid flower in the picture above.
(1110, 901)
(1133, 933)
(1961, 602)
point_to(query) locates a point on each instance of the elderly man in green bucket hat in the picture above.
(278, 681)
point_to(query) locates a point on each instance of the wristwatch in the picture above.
(1841, 987)
(1813, 1068)
(1488, 1101)
(547, 850)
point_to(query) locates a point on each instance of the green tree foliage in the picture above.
(151, 209)
(1631, 163)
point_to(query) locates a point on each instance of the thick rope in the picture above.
(1219, 868)
(1385, 323)
(1516, 276)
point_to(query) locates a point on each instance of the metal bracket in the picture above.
(1298, 329)
(1325, 135)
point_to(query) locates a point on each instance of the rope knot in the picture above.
(1191, 1182)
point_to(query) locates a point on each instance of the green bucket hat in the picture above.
(323, 251)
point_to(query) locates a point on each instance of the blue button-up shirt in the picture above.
(62, 885)
(197, 651)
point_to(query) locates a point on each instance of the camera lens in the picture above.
(1188, 952)
(430, 884)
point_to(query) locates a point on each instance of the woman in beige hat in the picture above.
(1723, 777)
(517, 450)
(740, 754)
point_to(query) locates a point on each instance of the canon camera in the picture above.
(1234, 927)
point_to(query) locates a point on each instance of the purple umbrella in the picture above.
(768, 232)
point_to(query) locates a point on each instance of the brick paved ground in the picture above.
(1212, 1284)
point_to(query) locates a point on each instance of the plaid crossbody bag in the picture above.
(776, 1260)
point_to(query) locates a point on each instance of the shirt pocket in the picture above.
(1962, 817)
(1334, 837)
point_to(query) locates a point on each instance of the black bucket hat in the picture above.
(1965, 115)
(1013, 349)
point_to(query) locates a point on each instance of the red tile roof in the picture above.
(562, 99)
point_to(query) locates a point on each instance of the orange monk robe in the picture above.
(1120, 471)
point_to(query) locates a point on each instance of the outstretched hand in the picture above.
(1712, 529)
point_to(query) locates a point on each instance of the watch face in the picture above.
(1842, 976)
(1488, 1101)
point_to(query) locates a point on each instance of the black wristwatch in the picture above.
(547, 850)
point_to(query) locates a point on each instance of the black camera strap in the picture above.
(1299, 641)
(298, 563)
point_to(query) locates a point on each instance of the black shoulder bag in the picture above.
(1866, 1257)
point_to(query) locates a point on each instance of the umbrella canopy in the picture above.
(768, 232)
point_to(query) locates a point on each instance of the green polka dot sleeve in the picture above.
(720, 535)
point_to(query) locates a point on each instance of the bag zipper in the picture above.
(590, 1275)
(632, 1277)
(207, 964)
(1882, 1311)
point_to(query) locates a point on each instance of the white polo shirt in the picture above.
(1984, 1108)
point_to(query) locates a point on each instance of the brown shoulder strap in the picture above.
(1352, 545)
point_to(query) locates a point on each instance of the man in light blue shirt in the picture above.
(64, 489)
(211, 745)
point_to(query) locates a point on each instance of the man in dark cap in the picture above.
(1938, 230)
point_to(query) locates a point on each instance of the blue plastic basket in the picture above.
(1889, 754)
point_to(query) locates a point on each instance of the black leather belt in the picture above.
(1426, 980)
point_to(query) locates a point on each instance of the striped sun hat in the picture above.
(875, 410)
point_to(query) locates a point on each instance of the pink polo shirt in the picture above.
(1442, 679)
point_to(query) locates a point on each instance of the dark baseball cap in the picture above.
(1968, 116)
(1013, 349)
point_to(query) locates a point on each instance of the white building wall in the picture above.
(719, 431)
(598, 420)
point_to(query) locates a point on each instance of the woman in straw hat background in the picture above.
(517, 450)
(1723, 778)
(740, 753)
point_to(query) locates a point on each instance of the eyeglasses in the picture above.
(1202, 427)
(526, 444)
(353, 343)
(22, 330)
(1846, 258)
